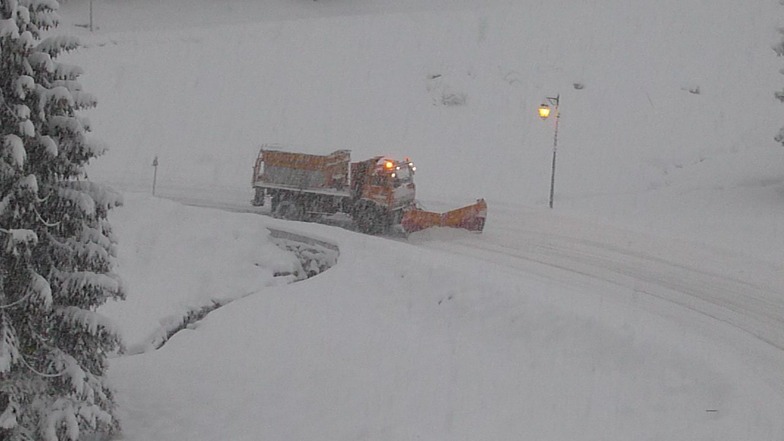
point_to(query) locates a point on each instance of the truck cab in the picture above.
(382, 189)
(386, 182)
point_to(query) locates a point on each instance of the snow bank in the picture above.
(174, 258)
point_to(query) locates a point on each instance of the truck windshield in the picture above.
(403, 174)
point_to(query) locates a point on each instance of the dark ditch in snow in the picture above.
(315, 256)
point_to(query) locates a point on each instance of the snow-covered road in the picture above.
(731, 287)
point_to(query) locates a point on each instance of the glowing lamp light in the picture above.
(389, 165)
(544, 111)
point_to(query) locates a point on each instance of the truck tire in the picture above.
(258, 199)
(288, 210)
(369, 219)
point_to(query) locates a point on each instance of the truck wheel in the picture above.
(288, 210)
(369, 219)
(258, 199)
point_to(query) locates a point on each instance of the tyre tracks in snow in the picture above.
(742, 291)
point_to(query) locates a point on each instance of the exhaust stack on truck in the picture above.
(378, 193)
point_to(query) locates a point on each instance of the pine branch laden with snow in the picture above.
(9, 351)
(58, 253)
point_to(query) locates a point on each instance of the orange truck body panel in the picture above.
(304, 170)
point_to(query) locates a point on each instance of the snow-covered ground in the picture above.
(647, 305)
(176, 259)
(399, 341)
(202, 86)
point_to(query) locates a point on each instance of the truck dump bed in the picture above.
(279, 169)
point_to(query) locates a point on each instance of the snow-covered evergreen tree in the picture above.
(57, 250)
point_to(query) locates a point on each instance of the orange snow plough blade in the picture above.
(471, 218)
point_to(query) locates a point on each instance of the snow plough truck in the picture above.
(378, 194)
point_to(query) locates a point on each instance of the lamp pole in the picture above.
(544, 113)
(155, 174)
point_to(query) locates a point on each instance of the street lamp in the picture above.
(544, 113)
(155, 174)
